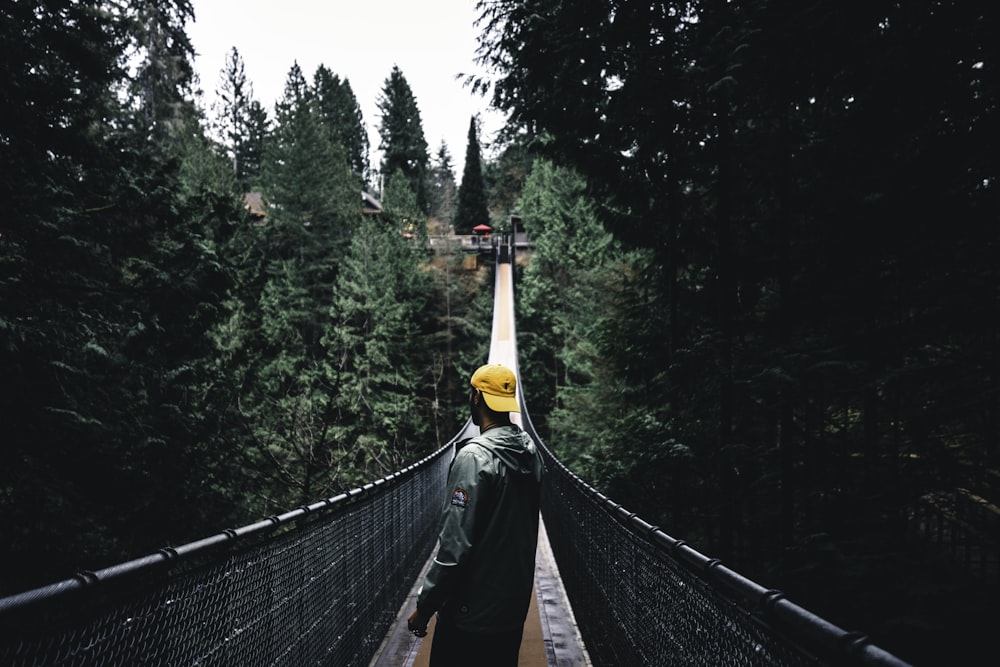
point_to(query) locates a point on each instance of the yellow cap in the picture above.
(498, 385)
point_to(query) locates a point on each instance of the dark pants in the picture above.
(453, 647)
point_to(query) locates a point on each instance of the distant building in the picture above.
(255, 204)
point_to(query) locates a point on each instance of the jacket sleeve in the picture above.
(468, 487)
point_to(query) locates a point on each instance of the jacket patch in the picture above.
(460, 498)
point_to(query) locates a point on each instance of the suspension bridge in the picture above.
(331, 583)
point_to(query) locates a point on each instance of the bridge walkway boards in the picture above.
(551, 638)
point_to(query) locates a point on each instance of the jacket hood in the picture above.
(515, 449)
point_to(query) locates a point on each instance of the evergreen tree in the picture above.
(505, 176)
(573, 264)
(163, 83)
(340, 115)
(379, 361)
(241, 121)
(442, 188)
(286, 405)
(790, 180)
(400, 209)
(51, 276)
(172, 213)
(472, 209)
(252, 149)
(150, 335)
(314, 210)
(112, 279)
(305, 174)
(403, 146)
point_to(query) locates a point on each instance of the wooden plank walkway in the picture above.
(550, 638)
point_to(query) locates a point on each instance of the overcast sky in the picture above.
(360, 41)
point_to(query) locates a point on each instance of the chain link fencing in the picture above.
(641, 597)
(320, 585)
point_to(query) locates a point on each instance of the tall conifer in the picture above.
(340, 115)
(112, 279)
(315, 206)
(442, 187)
(306, 174)
(472, 209)
(379, 359)
(240, 121)
(403, 146)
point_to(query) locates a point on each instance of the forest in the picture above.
(760, 308)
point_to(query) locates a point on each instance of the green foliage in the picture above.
(280, 316)
(112, 280)
(802, 319)
(161, 86)
(241, 122)
(173, 367)
(586, 320)
(504, 176)
(340, 115)
(306, 175)
(472, 210)
(401, 210)
(378, 358)
(442, 189)
(403, 146)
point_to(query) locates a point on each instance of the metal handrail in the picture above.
(87, 580)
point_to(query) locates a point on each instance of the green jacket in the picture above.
(481, 578)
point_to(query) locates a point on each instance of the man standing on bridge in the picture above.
(481, 578)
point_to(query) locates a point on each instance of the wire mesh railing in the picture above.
(641, 597)
(320, 585)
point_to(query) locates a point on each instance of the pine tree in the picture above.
(50, 281)
(252, 148)
(306, 176)
(505, 176)
(442, 189)
(581, 323)
(403, 146)
(173, 212)
(315, 207)
(340, 115)
(379, 359)
(472, 208)
(791, 181)
(163, 83)
(400, 209)
(112, 280)
(240, 121)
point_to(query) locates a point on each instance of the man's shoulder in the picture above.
(485, 442)
(475, 447)
(474, 444)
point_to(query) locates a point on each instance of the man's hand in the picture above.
(417, 624)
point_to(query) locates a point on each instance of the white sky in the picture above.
(359, 40)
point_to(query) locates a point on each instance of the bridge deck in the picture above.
(550, 634)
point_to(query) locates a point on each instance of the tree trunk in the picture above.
(726, 305)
